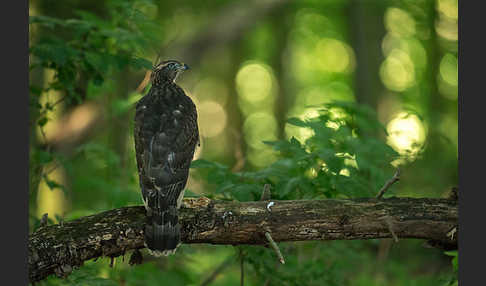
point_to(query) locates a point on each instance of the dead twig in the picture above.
(388, 184)
(451, 233)
(44, 220)
(390, 228)
(144, 82)
(266, 193)
(275, 247)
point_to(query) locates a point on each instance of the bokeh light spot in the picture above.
(412, 46)
(406, 134)
(333, 55)
(448, 69)
(397, 71)
(212, 118)
(399, 22)
(448, 8)
(258, 127)
(447, 29)
(254, 82)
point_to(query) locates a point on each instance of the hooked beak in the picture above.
(184, 67)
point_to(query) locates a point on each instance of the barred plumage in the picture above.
(166, 135)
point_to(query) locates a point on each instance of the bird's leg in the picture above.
(149, 212)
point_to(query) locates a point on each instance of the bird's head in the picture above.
(167, 71)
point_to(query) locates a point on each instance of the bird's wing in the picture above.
(166, 134)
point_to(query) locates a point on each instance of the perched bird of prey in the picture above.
(166, 135)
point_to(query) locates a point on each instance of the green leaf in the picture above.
(201, 163)
(455, 260)
(140, 63)
(42, 157)
(35, 89)
(297, 122)
(53, 184)
(42, 121)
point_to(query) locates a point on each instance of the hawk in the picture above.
(166, 135)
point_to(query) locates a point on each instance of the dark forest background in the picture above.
(390, 65)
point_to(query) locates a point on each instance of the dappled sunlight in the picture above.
(52, 201)
(337, 115)
(311, 173)
(51, 97)
(301, 133)
(349, 160)
(344, 172)
(406, 134)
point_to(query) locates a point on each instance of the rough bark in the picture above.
(57, 249)
(367, 31)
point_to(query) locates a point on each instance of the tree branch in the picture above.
(57, 249)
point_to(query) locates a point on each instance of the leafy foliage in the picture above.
(84, 53)
(340, 159)
(88, 276)
(455, 267)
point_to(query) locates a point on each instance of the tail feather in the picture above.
(162, 232)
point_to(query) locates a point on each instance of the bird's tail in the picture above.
(162, 231)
